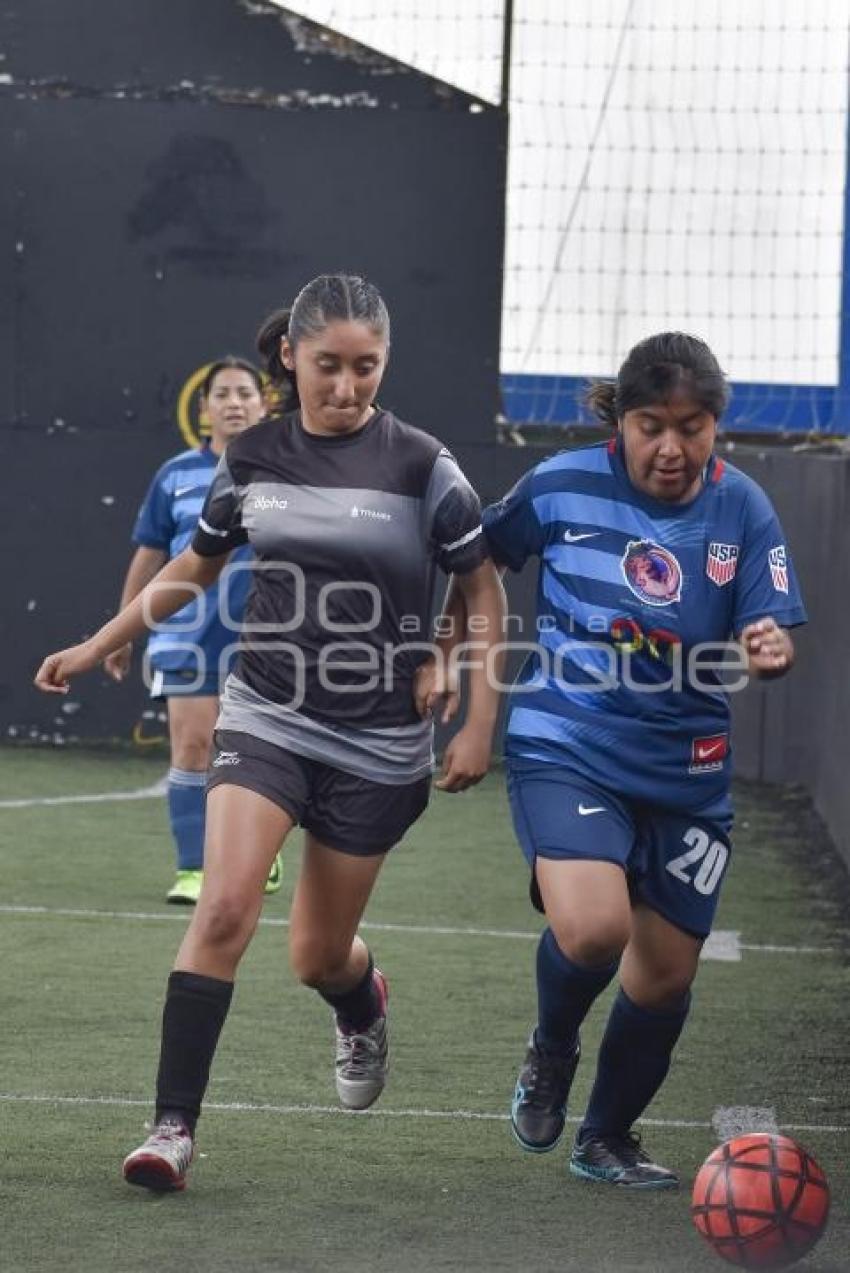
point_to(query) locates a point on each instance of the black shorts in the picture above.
(345, 812)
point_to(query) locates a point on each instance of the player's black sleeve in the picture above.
(453, 512)
(220, 526)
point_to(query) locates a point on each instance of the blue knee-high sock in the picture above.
(187, 811)
(634, 1058)
(565, 992)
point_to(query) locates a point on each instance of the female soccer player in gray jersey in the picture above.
(326, 720)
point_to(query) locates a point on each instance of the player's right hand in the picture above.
(432, 686)
(117, 664)
(55, 672)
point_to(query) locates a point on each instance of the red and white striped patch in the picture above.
(778, 563)
(722, 563)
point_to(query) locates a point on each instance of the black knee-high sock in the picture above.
(358, 1007)
(194, 1013)
(565, 993)
(634, 1058)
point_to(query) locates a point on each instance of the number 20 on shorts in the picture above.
(711, 855)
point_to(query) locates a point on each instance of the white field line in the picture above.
(155, 792)
(789, 950)
(451, 1115)
(724, 945)
(269, 921)
(718, 947)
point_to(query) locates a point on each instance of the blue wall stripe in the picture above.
(755, 407)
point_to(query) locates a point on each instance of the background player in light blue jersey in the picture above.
(185, 651)
(652, 552)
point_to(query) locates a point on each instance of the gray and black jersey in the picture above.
(347, 532)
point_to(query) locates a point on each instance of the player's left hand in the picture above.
(466, 759)
(769, 649)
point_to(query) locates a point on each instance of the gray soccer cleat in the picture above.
(163, 1161)
(361, 1058)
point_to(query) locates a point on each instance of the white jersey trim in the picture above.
(464, 539)
(210, 530)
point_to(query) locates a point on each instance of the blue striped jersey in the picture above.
(167, 520)
(634, 597)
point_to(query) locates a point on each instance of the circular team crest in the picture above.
(652, 573)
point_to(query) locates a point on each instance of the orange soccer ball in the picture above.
(760, 1201)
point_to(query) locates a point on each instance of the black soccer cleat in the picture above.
(539, 1107)
(619, 1160)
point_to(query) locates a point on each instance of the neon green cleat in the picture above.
(275, 879)
(186, 889)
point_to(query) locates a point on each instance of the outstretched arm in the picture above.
(144, 566)
(179, 582)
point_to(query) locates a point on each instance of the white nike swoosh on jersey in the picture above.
(184, 490)
(571, 537)
(585, 809)
(703, 753)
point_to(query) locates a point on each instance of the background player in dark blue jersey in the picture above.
(324, 721)
(184, 654)
(653, 552)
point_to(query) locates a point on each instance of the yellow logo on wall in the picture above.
(191, 417)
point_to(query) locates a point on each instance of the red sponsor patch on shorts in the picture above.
(708, 753)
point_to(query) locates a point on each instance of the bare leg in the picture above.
(330, 898)
(326, 953)
(244, 832)
(191, 723)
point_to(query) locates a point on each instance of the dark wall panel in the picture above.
(172, 173)
(10, 264)
(153, 246)
(804, 717)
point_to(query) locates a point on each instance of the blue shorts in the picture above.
(167, 683)
(674, 862)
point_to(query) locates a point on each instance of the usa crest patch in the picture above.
(778, 563)
(722, 563)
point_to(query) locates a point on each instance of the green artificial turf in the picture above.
(418, 1184)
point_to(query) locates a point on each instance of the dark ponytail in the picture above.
(283, 386)
(657, 368)
(601, 398)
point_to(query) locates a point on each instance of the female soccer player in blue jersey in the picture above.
(653, 553)
(326, 720)
(185, 653)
